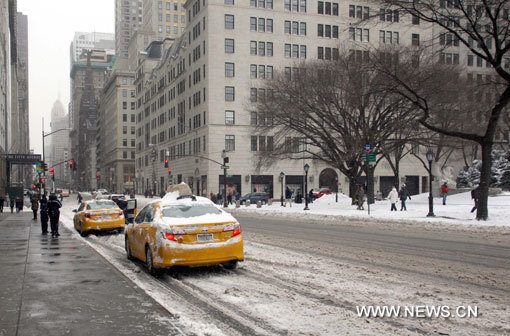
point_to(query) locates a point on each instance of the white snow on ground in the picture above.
(293, 292)
(457, 210)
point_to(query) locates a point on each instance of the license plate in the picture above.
(206, 237)
(106, 216)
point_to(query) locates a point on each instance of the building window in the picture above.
(302, 28)
(253, 47)
(286, 26)
(229, 21)
(269, 46)
(262, 25)
(124, 117)
(269, 71)
(253, 24)
(229, 2)
(262, 71)
(253, 143)
(124, 155)
(230, 143)
(230, 117)
(287, 50)
(269, 25)
(124, 129)
(253, 95)
(416, 39)
(229, 93)
(229, 70)
(253, 71)
(124, 142)
(262, 48)
(416, 20)
(302, 52)
(229, 45)
(253, 118)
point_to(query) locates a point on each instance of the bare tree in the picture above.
(327, 111)
(481, 26)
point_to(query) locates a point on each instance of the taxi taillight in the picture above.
(235, 228)
(169, 236)
(88, 215)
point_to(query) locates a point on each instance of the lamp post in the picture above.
(154, 155)
(225, 167)
(282, 176)
(306, 167)
(430, 157)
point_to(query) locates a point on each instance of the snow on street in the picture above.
(302, 286)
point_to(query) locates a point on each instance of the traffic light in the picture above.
(52, 171)
(71, 164)
(45, 166)
(225, 160)
(98, 176)
(169, 171)
(166, 163)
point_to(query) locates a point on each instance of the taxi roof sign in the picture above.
(182, 188)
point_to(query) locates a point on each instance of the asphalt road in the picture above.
(475, 261)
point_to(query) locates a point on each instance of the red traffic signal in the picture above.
(52, 171)
(166, 163)
(98, 176)
(169, 171)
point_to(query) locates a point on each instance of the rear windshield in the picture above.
(188, 211)
(99, 205)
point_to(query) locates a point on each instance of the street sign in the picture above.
(224, 167)
(368, 157)
(39, 167)
(368, 148)
(23, 158)
(52, 171)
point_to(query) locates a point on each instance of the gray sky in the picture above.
(51, 28)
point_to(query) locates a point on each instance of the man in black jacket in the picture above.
(44, 214)
(54, 206)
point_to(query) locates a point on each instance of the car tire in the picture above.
(148, 262)
(83, 233)
(231, 265)
(128, 248)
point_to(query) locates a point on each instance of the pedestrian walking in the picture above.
(2, 200)
(79, 198)
(54, 206)
(44, 214)
(444, 192)
(360, 195)
(238, 196)
(403, 195)
(288, 197)
(61, 197)
(162, 193)
(11, 203)
(310, 196)
(35, 205)
(19, 204)
(475, 196)
(229, 198)
(393, 197)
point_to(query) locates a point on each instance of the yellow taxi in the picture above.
(98, 215)
(184, 230)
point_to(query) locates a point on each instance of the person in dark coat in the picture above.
(19, 204)
(43, 205)
(403, 195)
(79, 198)
(229, 198)
(310, 196)
(288, 196)
(475, 195)
(360, 196)
(2, 200)
(54, 206)
(11, 203)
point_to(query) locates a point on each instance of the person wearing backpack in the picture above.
(54, 206)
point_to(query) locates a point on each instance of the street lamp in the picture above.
(154, 155)
(306, 167)
(225, 167)
(430, 157)
(282, 176)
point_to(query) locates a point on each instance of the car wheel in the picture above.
(83, 233)
(231, 265)
(128, 248)
(148, 261)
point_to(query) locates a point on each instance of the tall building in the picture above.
(88, 76)
(167, 19)
(193, 101)
(89, 41)
(60, 148)
(128, 19)
(116, 131)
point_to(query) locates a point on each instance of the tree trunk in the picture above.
(485, 175)
(397, 175)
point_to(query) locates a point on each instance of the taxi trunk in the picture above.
(200, 244)
(103, 219)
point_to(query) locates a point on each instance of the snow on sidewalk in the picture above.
(457, 210)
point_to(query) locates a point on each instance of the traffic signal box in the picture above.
(166, 163)
(98, 176)
(169, 171)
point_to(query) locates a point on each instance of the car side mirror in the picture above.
(75, 210)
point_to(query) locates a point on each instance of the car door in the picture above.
(78, 217)
(136, 233)
(130, 212)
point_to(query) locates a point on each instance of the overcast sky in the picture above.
(51, 28)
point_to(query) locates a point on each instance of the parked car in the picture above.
(254, 197)
(184, 230)
(322, 192)
(98, 215)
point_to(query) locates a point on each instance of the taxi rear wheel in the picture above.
(128, 249)
(83, 233)
(148, 262)
(231, 265)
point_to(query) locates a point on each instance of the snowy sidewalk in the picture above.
(457, 211)
(57, 286)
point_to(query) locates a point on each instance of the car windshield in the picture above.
(188, 211)
(101, 205)
(247, 195)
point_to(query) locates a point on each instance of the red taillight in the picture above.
(87, 215)
(170, 236)
(235, 228)
(121, 213)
